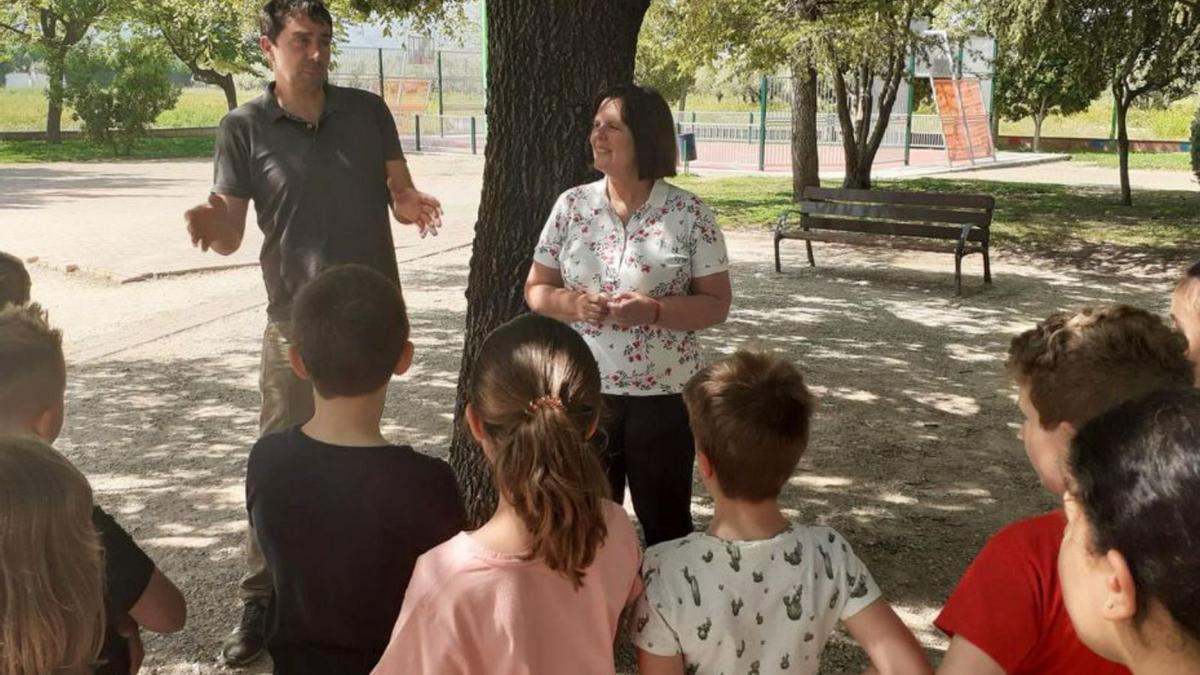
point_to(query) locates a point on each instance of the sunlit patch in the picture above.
(181, 542)
(120, 483)
(820, 482)
(971, 353)
(896, 498)
(952, 404)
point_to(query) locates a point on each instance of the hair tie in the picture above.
(544, 403)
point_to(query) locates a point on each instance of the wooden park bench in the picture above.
(954, 223)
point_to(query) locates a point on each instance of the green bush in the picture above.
(118, 88)
(1196, 144)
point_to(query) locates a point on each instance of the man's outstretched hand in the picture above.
(413, 207)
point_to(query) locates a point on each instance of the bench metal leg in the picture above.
(778, 267)
(987, 267)
(958, 274)
(808, 246)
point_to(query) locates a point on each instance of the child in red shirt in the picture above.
(1007, 613)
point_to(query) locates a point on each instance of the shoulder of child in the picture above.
(1029, 534)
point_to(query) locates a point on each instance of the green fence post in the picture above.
(762, 125)
(380, 52)
(441, 98)
(417, 123)
(473, 147)
(912, 95)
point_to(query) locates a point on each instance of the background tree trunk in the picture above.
(56, 65)
(805, 158)
(548, 59)
(1123, 147)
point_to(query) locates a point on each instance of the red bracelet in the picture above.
(657, 311)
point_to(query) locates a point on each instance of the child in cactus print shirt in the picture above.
(756, 593)
(765, 606)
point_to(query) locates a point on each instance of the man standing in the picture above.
(322, 164)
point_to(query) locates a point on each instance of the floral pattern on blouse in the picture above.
(671, 240)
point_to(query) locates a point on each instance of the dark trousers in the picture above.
(649, 445)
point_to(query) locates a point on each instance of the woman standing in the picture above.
(637, 265)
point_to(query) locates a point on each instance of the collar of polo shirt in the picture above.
(333, 103)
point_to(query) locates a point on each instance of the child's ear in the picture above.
(48, 424)
(297, 363)
(1121, 601)
(704, 463)
(406, 357)
(474, 424)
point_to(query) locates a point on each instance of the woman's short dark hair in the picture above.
(649, 119)
(274, 14)
(1135, 470)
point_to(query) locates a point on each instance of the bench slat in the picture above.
(875, 241)
(885, 228)
(903, 213)
(967, 201)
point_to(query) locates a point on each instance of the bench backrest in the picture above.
(931, 215)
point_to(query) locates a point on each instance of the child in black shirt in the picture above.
(341, 515)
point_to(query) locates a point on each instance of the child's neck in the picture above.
(736, 519)
(349, 421)
(504, 532)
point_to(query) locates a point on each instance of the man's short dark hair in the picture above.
(14, 281)
(648, 117)
(275, 13)
(350, 326)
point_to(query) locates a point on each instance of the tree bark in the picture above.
(805, 147)
(1038, 118)
(1123, 101)
(56, 59)
(537, 148)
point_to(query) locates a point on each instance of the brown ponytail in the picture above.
(536, 388)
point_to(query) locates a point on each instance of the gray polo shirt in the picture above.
(320, 191)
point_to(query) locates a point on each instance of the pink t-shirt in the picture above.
(471, 610)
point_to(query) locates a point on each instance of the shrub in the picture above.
(119, 87)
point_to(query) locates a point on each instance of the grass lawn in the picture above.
(1043, 216)
(1163, 161)
(77, 150)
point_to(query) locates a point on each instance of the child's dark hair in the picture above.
(536, 389)
(750, 415)
(1135, 470)
(14, 281)
(275, 13)
(350, 326)
(1078, 365)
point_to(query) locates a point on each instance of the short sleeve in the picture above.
(650, 631)
(856, 585)
(392, 149)
(554, 234)
(995, 605)
(421, 641)
(232, 159)
(127, 568)
(707, 244)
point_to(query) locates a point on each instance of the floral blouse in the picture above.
(671, 240)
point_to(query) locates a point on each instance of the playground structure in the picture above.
(437, 96)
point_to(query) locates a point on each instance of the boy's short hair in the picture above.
(33, 373)
(1078, 365)
(750, 415)
(14, 281)
(350, 326)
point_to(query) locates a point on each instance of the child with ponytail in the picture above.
(540, 588)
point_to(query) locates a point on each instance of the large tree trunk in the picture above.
(805, 148)
(1038, 118)
(547, 61)
(56, 59)
(846, 123)
(1123, 146)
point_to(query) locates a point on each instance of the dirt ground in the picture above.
(914, 455)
